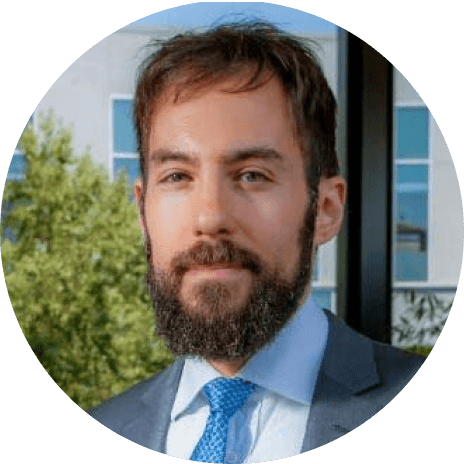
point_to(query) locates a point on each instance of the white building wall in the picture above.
(79, 99)
(447, 215)
(81, 96)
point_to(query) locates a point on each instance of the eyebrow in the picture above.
(263, 153)
(163, 156)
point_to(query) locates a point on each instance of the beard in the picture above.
(211, 325)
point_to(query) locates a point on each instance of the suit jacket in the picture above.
(357, 378)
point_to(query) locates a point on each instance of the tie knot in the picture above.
(226, 396)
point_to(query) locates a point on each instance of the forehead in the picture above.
(216, 118)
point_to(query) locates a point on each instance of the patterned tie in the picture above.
(226, 397)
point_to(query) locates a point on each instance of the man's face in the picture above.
(225, 204)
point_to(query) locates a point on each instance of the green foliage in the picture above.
(75, 274)
(419, 349)
(423, 319)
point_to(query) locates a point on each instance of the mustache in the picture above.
(223, 252)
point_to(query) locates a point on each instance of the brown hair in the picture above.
(191, 61)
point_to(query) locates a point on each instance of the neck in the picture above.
(228, 368)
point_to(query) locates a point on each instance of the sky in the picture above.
(207, 13)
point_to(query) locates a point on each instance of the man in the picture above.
(240, 185)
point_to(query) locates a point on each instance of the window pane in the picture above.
(17, 167)
(412, 173)
(128, 165)
(412, 133)
(323, 297)
(411, 223)
(124, 140)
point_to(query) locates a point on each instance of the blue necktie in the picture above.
(226, 397)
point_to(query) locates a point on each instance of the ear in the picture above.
(330, 209)
(138, 195)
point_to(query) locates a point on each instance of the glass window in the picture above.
(412, 133)
(411, 191)
(124, 139)
(18, 163)
(323, 297)
(17, 167)
(125, 155)
(411, 223)
(128, 165)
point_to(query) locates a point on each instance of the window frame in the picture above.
(321, 282)
(19, 152)
(112, 153)
(428, 161)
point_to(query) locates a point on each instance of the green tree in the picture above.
(75, 273)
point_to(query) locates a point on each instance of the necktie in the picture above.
(226, 397)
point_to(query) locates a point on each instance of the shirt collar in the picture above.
(288, 366)
(195, 375)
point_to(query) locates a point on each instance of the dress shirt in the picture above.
(272, 423)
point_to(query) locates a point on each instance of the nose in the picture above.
(212, 209)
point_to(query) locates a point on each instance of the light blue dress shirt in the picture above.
(272, 423)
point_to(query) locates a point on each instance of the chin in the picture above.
(213, 300)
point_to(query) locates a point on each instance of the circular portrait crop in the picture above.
(231, 232)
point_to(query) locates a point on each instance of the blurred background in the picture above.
(103, 340)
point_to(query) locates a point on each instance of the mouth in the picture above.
(221, 271)
(212, 267)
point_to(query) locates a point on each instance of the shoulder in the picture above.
(362, 364)
(358, 377)
(394, 365)
(153, 393)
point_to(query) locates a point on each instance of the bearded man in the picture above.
(240, 185)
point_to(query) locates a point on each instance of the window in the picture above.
(324, 297)
(18, 163)
(124, 142)
(411, 201)
(323, 292)
(15, 173)
(412, 133)
(17, 167)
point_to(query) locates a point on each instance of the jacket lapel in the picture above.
(348, 368)
(149, 428)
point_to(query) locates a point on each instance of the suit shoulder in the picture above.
(367, 358)
(395, 365)
(118, 410)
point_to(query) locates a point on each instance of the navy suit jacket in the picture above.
(357, 378)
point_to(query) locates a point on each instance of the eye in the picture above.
(253, 177)
(175, 178)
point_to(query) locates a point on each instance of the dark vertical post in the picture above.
(364, 145)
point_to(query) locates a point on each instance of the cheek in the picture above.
(166, 223)
(277, 227)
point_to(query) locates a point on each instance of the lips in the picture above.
(212, 267)
(218, 271)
